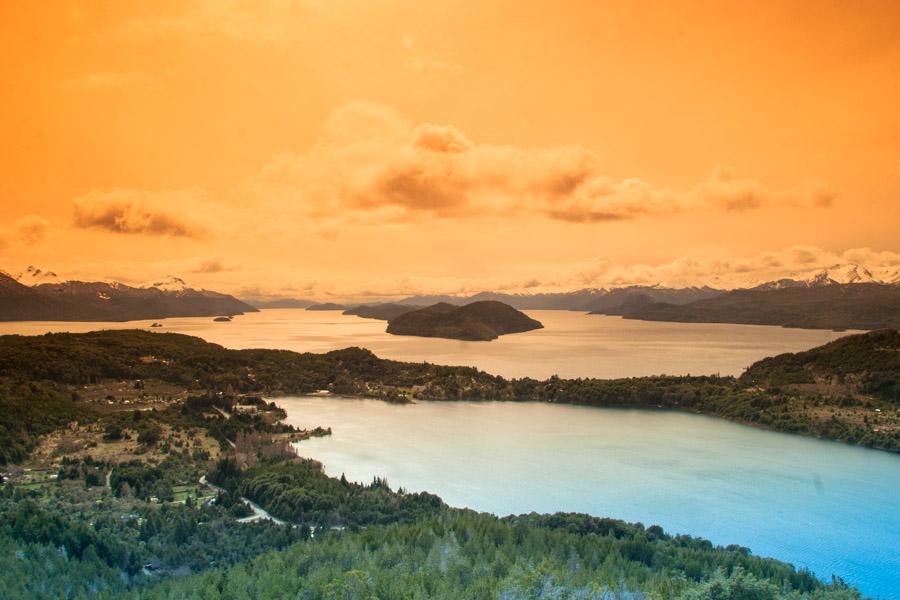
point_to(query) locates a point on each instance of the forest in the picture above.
(847, 390)
(356, 541)
(154, 502)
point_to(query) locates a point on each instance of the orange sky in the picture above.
(357, 148)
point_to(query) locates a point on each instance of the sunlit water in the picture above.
(570, 345)
(827, 506)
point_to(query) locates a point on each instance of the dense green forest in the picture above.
(127, 513)
(29, 409)
(355, 541)
(851, 388)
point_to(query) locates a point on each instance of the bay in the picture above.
(572, 344)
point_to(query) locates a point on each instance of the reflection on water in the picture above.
(570, 345)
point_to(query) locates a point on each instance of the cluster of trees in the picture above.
(70, 542)
(869, 361)
(461, 554)
(29, 409)
(75, 542)
(298, 491)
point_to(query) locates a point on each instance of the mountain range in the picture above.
(601, 300)
(845, 296)
(834, 306)
(37, 295)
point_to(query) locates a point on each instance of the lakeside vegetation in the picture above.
(75, 538)
(847, 390)
(835, 306)
(130, 458)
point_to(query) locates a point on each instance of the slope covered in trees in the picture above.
(860, 408)
(101, 301)
(837, 306)
(73, 542)
(385, 312)
(478, 321)
(141, 526)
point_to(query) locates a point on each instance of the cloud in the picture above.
(31, 229)
(140, 212)
(371, 157)
(723, 272)
(212, 265)
(275, 22)
(27, 230)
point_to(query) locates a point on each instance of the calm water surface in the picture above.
(570, 345)
(827, 506)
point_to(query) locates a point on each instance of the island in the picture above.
(387, 311)
(326, 306)
(479, 321)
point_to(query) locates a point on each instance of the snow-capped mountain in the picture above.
(836, 274)
(169, 284)
(35, 276)
(847, 273)
(889, 275)
(36, 296)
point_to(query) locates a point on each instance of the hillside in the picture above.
(101, 301)
(384, 312)
(326, 306)
(836, 306)
(866, 364)
(282, 303)
(861, 410)
(589, 299)
(615, 301)
(479, 321)
(116, 428)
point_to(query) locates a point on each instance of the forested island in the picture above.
(479, 321)
(131, 459)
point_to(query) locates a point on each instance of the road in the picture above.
(258, 511)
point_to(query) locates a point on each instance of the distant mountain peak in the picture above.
(841, 273)
(169, 284)
(35, 276)
(44, 300)
(838, 274)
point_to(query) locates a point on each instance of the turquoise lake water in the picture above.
(827, 506)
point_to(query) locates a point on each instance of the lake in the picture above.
(571, 344)
(823, 505)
